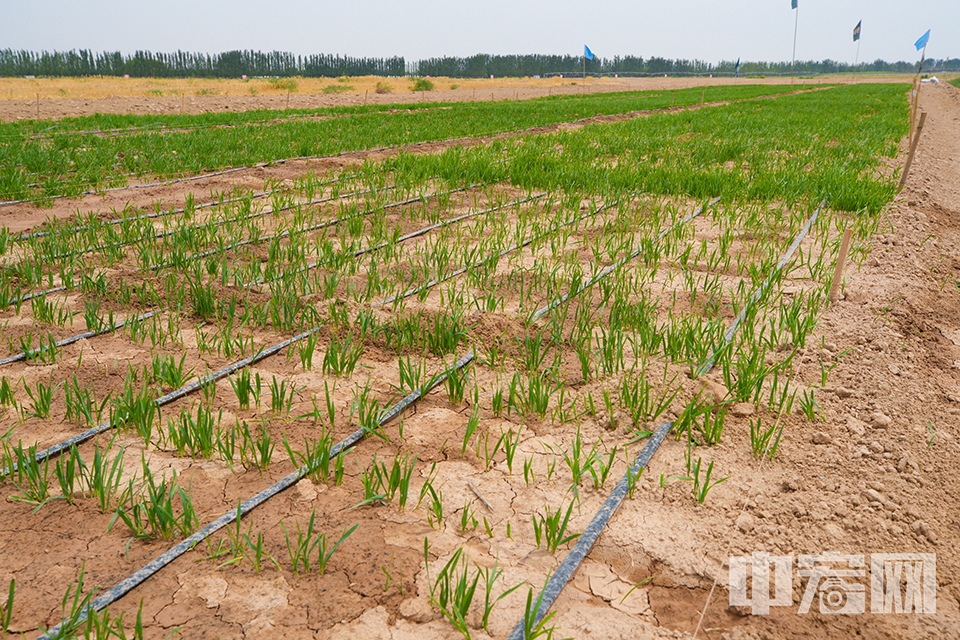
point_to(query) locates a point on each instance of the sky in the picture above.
(709, 30)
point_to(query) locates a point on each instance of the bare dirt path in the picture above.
(876, 475)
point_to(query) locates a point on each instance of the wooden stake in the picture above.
(841, 261)
(38, 106)
(365, 98)
(914, 106)
(913, 149)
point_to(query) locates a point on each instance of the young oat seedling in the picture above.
(72, 615)
(551, 529)
(71, 472)
(281, 396)
(6, 611)
(246, 388)
(472, 423)
(702, 487)
(452, 592)
(103, 479)
(170, 373)
(809, 405)
(531, 628)
(764, 441)
(468, 518)
(383, 483)
(8, 397)
(510, 444)
(308, 541)
(233, 545)
(41, 398)
(31, 477)
(342, 356)
(149, 512)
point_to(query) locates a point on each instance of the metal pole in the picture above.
(793, 64)
(856, 61)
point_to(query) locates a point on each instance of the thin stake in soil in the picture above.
(841, 261)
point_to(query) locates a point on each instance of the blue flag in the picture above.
(587, 53)
(736, 69)
(856, 31)
(922, 42)
(793, 4)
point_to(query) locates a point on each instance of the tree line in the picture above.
(233, 64)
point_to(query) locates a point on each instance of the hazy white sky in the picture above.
(710, 30)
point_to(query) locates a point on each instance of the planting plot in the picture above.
(41, 160)
(492, 332)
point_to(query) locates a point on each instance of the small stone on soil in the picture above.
(822, 438)
(880, 420)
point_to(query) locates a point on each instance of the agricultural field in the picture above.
(387, 396)
(40, 159)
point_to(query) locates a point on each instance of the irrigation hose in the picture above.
(728, 336)
(87, 334)
(147, 571)
(619, 263)
(207, 223)
(148, 216)
(314, 227)
(174, 395)
(559, 579)
(199, 256)
(401, 239)
(514, 247)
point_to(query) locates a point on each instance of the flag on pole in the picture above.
(587, 53)
(856, 31)
(793, 4)
(736, 69)
(922, 42)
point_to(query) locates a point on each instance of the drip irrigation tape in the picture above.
(510, 249)
(147, 571)
(315, 227)
(401, 239)
(559, 579)
(160, 214)
(147, 216)
(619, 263)
(76, 338)
(36, 294)
(208, 223)
(202, 255)
(588, 538)
(174, 395)
(728, 336)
